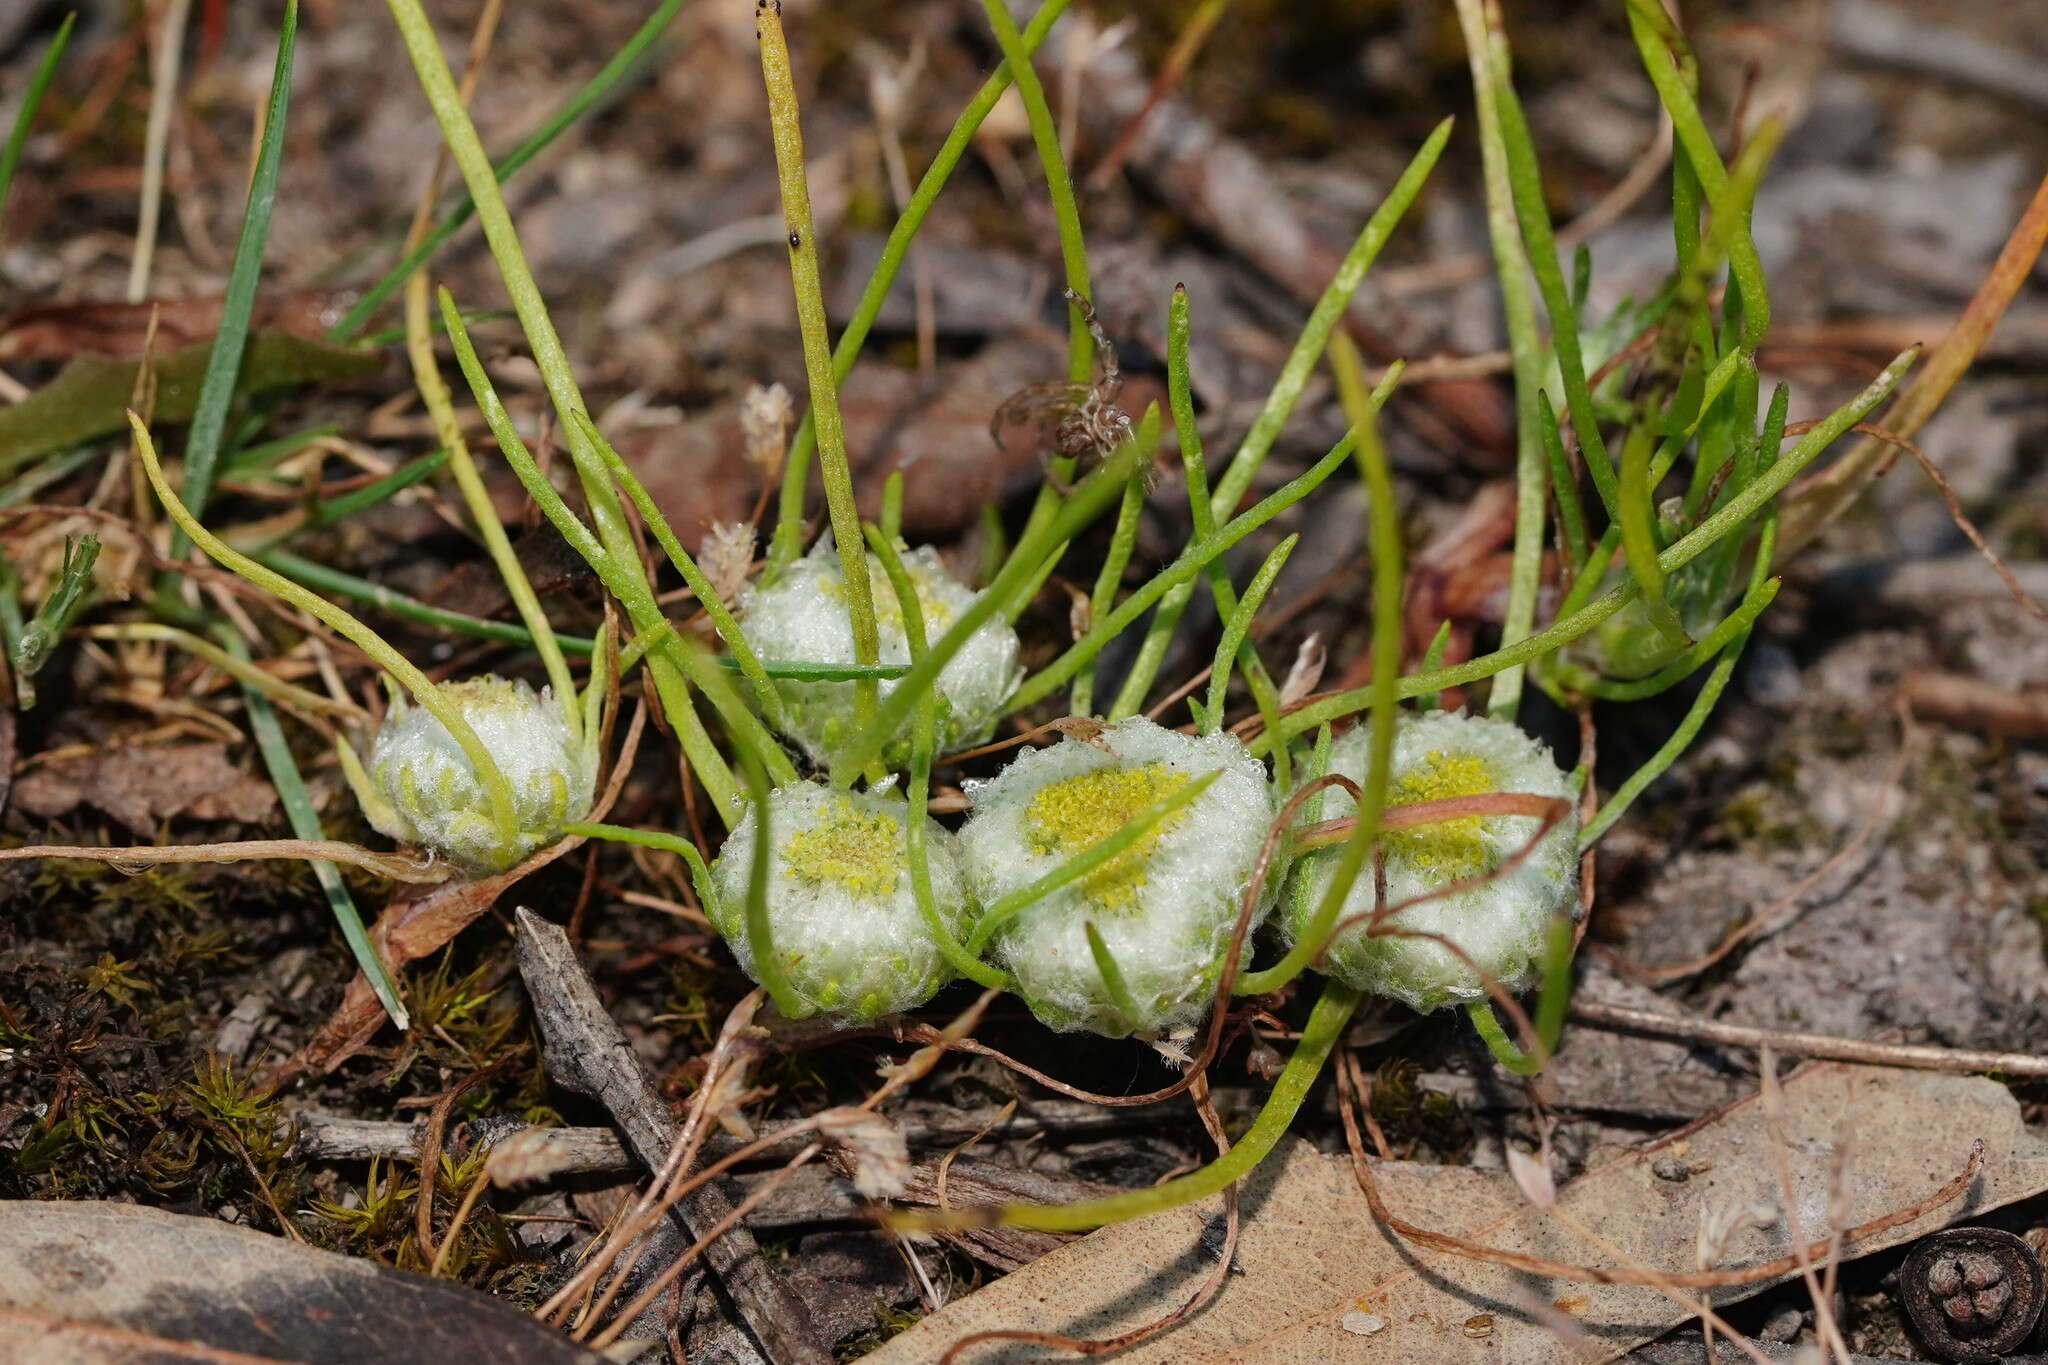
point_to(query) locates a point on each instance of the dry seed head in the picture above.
(435, 799)
(1500, 923)
(1164, 907)
(764, 424)
(801, 616)
(841, 909)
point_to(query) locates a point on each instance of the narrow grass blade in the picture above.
(223, 366)
(305, 823)
(31, 100)
(586, 96)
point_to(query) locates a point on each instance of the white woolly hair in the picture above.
(1501, 923)
(841, 911)
(436, 800)
(802, 616)
(1169, 940)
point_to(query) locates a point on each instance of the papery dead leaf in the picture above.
(88, 1283)
(871, 1149)
(142, 786)
(1313, 1257)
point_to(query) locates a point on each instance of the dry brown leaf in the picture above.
(141, 787)
(1314, 1261)
(87, 1283)
(59, 331)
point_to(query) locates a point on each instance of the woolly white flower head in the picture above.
(841, 910)
(1500, 924)
(432, 795)
(1164, 907)
(802, 616)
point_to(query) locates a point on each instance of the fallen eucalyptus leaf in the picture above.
(90, 396)
(1313, 1258)
(86, 1283)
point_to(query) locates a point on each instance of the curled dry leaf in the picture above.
(1305, 672)
(1313, 1255)
(871, 1149)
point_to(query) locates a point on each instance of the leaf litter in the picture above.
(1314, 1269)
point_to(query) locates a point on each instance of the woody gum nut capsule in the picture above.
(841, 909)
(1164, 907)
(435, 798)
(1499, 923)
(802, 616)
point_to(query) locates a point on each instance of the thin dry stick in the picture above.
(1351, 1091)
(1195, 1302)
(648, 1211)
(1655, 1279)
(470, 1196)
(627, 1315)
(163, 95)
(1913, 1056)
(945, 1167)
(431, 1145)
(1810, 513)
(918, 1065)
(1948, 498)
(1774, 1122)
(1781, 911)
(397, 868)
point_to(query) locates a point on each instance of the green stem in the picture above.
(305, 822)
(700, 875)
(497, 791)
(1319, 1037)
(1183, 569)
(817, 344)
(31, 100)
(722, 621)
(1322, 320)
(1239, 626)
(1377, 476)
(1195, 472)
(1486, 53)
(426, 369)
(235, 665)
(314, 574)
(1732, 515)
(1504, 1051)
(922, 738)
(1059, 185)
(1681, 740)
(224, 362)
(620, 552)
(1088, 500)
(795, 471)
(1107, 580)
(669, 662)
(571, 109)
(1103, 850)
(1113, 984)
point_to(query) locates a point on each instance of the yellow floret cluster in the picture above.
(1075, 813)
(1448, 849)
